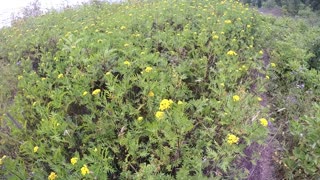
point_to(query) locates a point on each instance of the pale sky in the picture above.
(7, 7)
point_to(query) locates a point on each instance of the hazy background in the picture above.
(9, 7)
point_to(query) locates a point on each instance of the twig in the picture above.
(15, 122)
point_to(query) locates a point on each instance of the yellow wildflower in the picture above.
(52, 176)
(232, 139)
(273, 65)
(84, 93)
(95, 150)
(35, 149)
(74, 160)
(60, 76)
(108, 73)
(227, 21)
(261, 52)
(148, 69)
(248, 26)
(126, 45)
(159, 115)
(215, 37)
(140, 118)
(84, 170)
(236, 98)
(95, 92)
(231, 53)
(127, 63)
(264, 122)
(150, 94)
(165, 104)
(267, 77)
(259, 99)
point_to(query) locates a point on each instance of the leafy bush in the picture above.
(158, 89)
(303, 159)
(295, 96)
(141, 90)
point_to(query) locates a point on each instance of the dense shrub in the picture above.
(157, 89)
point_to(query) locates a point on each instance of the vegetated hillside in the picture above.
(160, 89)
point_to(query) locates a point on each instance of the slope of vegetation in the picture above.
(159, 89)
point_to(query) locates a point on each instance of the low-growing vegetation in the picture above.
(158, 90)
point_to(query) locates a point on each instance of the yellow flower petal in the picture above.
(236, 98)
(232, 139)
(35, 149)
(159, 115)
(52, 176)
(264, 122)
(84, 170)
(73, 160)
(97, 91)
(140, 118)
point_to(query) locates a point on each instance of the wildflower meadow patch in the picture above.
(138, 90)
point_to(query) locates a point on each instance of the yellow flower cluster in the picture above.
(35, 149)
(95, 92)
(232, 139)
(52, 176)
(236, 98)
(165, 104)
(159, 115)
(261, 52)
(264, 122)
(227, 21)
(74, 160)
(84, 93)
(84, 170)
(148, 69)
(140, 118)
(151, 94)
(231, 53)
(127, 63)
(60, 76)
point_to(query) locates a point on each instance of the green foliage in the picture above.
(152, 90)
(303, 159)
(295, 95)
(91, 87)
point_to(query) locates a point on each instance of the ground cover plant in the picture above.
(147, 90)
(294, 93)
